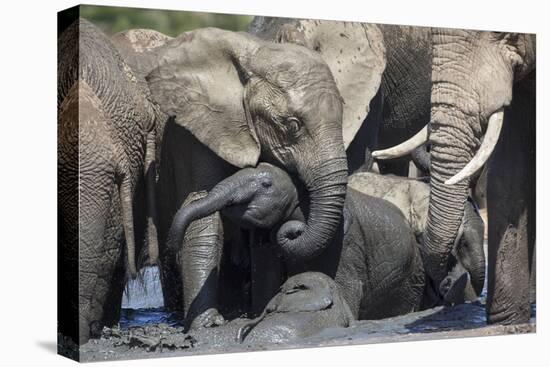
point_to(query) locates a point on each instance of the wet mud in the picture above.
(153, 339)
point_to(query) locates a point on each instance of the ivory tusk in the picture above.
(487, 146)
(404, 148)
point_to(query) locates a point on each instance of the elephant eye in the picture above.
(293, 124)
(463, 244)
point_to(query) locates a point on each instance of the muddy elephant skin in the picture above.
(306, 304)
(412, 197)
(373, 257)
(483, 112)
(233, 100)
(399, 101)
(106, 132)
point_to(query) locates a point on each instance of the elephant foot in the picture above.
(96, 328)
(207, 319)
(514, 314)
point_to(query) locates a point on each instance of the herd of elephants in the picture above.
(266, 173)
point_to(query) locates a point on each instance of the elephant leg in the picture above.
(533, 278)
(267, 271)
(167, 199)
(199, 257)
(102, 273)
(150, 181)
(186, 166)
(511, 209)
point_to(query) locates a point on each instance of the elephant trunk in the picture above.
(421, 158)
(455, 134)
(327, 186)
(477, 277)
(451, 149)
(232, 190)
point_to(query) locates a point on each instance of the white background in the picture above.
(28, 180)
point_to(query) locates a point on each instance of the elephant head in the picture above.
(473, 74)
(258, 197)
(246, 99)
(354, 52)
(466, 267)
(309, 292)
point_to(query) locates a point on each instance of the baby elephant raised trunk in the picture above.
(230, 191)
(259, 197)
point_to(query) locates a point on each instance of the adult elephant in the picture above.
(234, 100)
(400, 107)
(485, 82)
(106, 144)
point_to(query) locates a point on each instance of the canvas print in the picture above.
(234, 183)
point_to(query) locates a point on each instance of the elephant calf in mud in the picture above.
(303, 306)
(306, 304)
(466, 268)
(373, 257)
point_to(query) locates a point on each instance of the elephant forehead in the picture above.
(271, 171)
(291, 66)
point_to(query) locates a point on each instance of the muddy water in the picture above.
(153, 339)
(150, 331)
(142, 305)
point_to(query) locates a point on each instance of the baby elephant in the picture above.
(306, 304)
(466, 267)
(373, 256)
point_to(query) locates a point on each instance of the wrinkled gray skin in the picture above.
(305, 304)
(406, 87)
(234, 99)
(373, 256)
(412, 197)
(402, 105)
(478, 182)
(139, 48)
(106, 143)
(474, 75)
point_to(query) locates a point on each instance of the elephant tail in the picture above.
(126, 200)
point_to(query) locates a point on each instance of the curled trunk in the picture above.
(326, 185)
(190, 212)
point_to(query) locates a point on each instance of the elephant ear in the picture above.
(138, 48)
(354, 52)
(198, 81)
